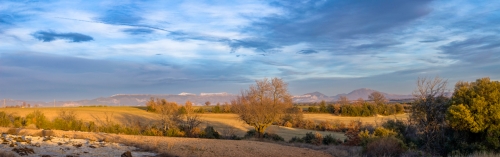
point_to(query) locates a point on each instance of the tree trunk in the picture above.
(260, 129)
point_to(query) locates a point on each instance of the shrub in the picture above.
(38, 119)
(4, 119)
(352, 134)
(325, 126)
(210, 132)
(318, 138)
(234, 137)
(18, 121)
(296, 139)
(308, 138)
(329, 139)
(175, 132)
(397, 125)
(383, 132)
(200, 110)
(274, 137)
(312, 109)
(313, 138)
(288, 124)
(251, 133)
(385, 146)
(196, 132)
(152, 132)
(309, 124)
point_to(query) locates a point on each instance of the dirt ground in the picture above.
(174, 146)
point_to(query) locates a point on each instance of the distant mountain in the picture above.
(312, 97)
(214, 98)
(365, 92)
(354, 95)
(131, 100)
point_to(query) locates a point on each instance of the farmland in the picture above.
(225, 123)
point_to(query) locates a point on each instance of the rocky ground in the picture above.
(36, 146)
(75, 143)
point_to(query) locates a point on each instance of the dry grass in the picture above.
(172, 146)
(223, 123)
(366, 120)
(120, 115)
(226, 121)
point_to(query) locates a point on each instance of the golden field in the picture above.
(224, 123)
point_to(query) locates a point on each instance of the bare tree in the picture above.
(189, 120)
(378, 98)
(263, 103)
(207, 103)
(428, 113)
(343, 100)
(168, 113)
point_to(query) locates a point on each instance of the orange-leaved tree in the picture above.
(263, 103)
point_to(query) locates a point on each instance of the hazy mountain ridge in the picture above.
(353, 95)
(214, 98)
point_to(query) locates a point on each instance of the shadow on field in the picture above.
(226, 129)
(140, 107)
(133, 120)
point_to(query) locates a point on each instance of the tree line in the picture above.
(359, 108)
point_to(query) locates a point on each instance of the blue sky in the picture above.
(69, 50)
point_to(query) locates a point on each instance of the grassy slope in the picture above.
(346, 120)
(224, 123)
(229, 122)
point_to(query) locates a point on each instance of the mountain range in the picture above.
(354, 95)
(214, 98)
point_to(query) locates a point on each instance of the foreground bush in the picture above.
(274, 137)
(385, 146)
(316, 139)
(210, 132)
(329, 139)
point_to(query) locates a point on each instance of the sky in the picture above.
(71, 50)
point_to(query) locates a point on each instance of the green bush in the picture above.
(174, 132)
(18, 121)
(385, 146)
(313, 138)
(210, 132)
(274, 137)
(4, 119)
(39, 119)
(296, 139)
(329, 139)
(312, 109)
(251, 133)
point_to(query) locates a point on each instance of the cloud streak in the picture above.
(48, 36)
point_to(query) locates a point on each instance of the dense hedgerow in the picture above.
(357, 109)
(316, 139)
